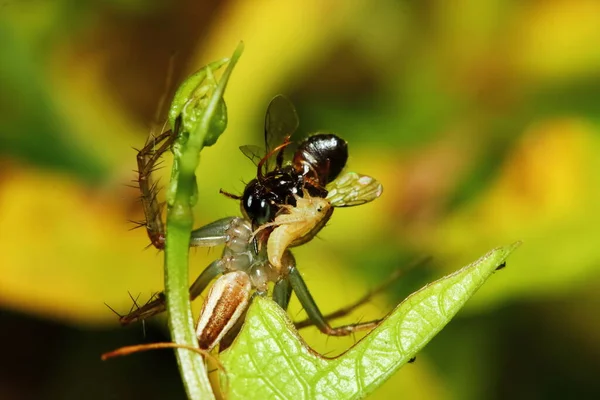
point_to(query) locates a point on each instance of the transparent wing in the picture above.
(352, 189)
(281, 121)
(254, 153)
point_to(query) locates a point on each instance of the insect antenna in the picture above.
(230, 195)
(259, 171)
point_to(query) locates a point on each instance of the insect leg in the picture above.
(315, 315)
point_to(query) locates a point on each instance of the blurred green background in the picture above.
(480, 118)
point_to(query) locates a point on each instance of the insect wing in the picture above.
(254, 153)
(352, 189)
(281, 121)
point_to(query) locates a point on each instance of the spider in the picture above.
(285, 206)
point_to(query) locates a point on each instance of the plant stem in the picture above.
(179, 226)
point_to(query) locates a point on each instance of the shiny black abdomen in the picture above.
(321, 158)
(317, 161)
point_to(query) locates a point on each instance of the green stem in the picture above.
(179, 226)
(181, 323)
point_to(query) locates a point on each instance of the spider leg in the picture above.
(157, 305)
(344, 311)
(227, 230)
(213, 234)
(282, 292)
(315, 315)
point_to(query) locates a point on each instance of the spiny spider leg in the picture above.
(205, 278)
(344, 311)
(226, 230)
(157, 305)
(146, 161)
(315, 315)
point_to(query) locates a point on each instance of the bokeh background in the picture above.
(480, 118)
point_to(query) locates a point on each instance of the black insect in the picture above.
(316, 162)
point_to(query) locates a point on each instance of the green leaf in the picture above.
(270, 360)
